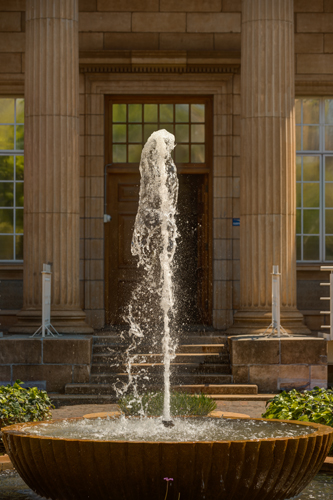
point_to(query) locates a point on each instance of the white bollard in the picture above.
(46, 304)
(275, 326)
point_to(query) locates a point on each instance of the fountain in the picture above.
(154, 458)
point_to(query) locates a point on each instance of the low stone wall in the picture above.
(50, 362)
(279, 364)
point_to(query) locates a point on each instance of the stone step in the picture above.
(211, 389)
(158, 379)
(112, 358)
(183, 348)
(188, 339)
(84, 399)
(208, 389)
(158, 368)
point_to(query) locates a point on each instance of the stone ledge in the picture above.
(276, 364)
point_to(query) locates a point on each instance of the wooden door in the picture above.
(121, 268)
(128, 121)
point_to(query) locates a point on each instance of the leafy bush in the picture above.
(308, 406)
(151, 404)
(23, 405)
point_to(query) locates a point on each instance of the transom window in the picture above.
(11, 179)
(314, 179)
(133, 123)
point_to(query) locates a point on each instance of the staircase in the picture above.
(201, 365)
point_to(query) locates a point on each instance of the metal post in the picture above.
(46, 304)
(275, 326)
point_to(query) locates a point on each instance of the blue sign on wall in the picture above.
(236, 221)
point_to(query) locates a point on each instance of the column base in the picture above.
(248, 322)
(71, 321)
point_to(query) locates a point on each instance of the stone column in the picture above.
(51, 189)
(268, 158)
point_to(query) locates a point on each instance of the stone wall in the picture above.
(208, 26)
(279, 364)
(53, 362)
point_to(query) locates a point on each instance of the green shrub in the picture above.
(151, 404)
(308, 406)
(23, 405)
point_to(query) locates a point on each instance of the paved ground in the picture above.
(252, 408)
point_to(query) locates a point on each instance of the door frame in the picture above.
(207, 169)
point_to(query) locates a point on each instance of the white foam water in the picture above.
(184, 429)
(154, 243)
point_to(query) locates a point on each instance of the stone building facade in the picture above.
(94, 75)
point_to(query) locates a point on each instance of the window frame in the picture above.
(14, 153)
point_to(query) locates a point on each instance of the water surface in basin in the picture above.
(152, 429)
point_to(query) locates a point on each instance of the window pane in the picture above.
(19, 221)
(310, 168)
(329, 111)
(182, 154)
(329, 221)
(182, 133)
(134, 153)
(119, 112)
(329, 247)
(119, 133)
(19, 168)
(298, 168)
(119, 153)
(150, 112)
(311, 221)
(328, 138)
(329, 168)
(310, 138)
(19, 194)
(311, 195)
(135, 133)
(6, 110)
(6, 194)
(166, 113)
(6, 247)
(197, 153)
(6, 136)
(311, 247)
(298, 221)
(311, 110)
(298, 138)
(19, 247)
(182, 113)
(20, 137)
(328, 195)
(197, 133)
(298, 195)
(299, 247)
(198, 113)
(298, 107)
(148, 130)
(135, 113)
(168, 126)
(19, 110)
(6, 221)
(6, 168)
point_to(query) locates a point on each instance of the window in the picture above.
(11, 179)
(133, 123)
(314, 179)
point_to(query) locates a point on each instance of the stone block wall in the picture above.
(54, 362)
(189, 26)
(279, 364)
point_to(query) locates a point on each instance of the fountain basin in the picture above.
(78, 469)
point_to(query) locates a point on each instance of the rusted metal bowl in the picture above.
(74, 469)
